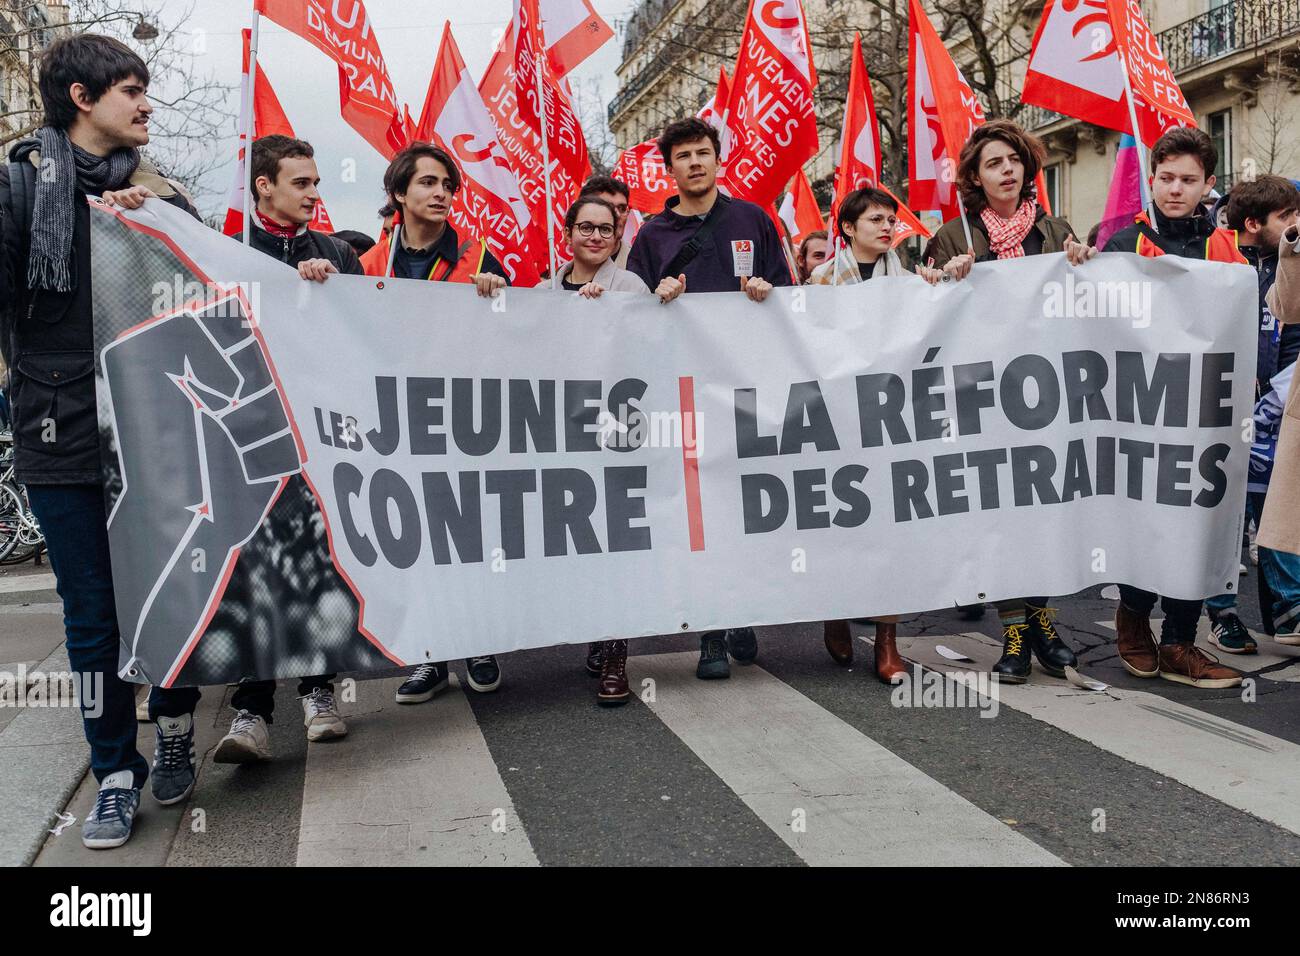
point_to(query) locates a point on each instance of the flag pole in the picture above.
(965, 224)
(546, 157)
(248, 126)
(394, 238)
(1144, 187)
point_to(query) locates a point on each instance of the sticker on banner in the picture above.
(742, 256)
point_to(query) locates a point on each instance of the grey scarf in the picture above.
(64, 168)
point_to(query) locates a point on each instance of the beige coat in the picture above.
(609, 277)
(1280, 527)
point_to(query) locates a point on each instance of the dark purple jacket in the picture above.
(713, 269)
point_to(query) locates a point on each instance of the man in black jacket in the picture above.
(94, 91)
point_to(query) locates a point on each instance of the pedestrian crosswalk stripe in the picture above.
(1242, 767)
(408, 786)
(834, 795)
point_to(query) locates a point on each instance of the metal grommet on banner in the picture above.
(379, 284)
(980, 595)
(685, 626)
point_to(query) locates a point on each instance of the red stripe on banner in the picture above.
(691, 462)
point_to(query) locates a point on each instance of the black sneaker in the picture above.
(425, 681)
(1227, 633)
(484, 673)
(742, 643)
(713, 663)
(172, 778)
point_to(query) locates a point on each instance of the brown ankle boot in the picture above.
(613, 674)
(839, 641)
(1135, 642)
(889, 665)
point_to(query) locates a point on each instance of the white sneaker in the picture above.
(321, 717)
(247, 742)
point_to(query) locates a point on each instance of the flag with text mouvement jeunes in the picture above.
(1077, 61)
(268, 119)
(570, 164)
(770, 109)
(942, 112)
(490, 202)
(342, 31)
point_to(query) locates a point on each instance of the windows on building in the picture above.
(1053, 177)
(1219, 126)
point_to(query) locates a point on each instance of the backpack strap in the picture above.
(691, 248)
(22, 194)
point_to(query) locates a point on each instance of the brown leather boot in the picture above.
(889, 664)
(1188, 664)
(595, 657)
(839, 641)
(1136, 643)
(613, 675)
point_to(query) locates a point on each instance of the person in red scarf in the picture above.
(996, 173)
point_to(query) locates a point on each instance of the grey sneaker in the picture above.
(110, 822)
(247, 742)
(172, 779)
(321, 717)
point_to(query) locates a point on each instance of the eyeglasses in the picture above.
(879, 220)
(605, 229)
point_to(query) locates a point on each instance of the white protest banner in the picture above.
(478, 476)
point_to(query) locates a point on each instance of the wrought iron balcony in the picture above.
(1237, 25)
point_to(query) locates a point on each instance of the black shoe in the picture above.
(1227, 633)
(595, 657)
(742, 643)
(713, 656)
(484, 673)
(970, 612)
(1053, 654)
(1013, 666)
(425, 681)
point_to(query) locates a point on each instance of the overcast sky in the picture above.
(306, 80)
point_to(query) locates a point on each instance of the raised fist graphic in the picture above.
(205, 444)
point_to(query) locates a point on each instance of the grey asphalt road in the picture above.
(793, 761)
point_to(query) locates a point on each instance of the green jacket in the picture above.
(950, 239)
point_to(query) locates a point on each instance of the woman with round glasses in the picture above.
(590, 226)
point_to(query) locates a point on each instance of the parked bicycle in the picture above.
(20, 534)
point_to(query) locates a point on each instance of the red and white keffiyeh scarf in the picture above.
(1007, 236)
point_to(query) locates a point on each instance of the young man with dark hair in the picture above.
(706, 241)
(1261, 210)
(814, 249)
(1182, 174)
(616, 193)
(94, 90)
(284, 180)
(421, 182)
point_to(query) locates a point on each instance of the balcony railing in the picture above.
(1237, 25)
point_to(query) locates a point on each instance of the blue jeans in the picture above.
(1281, 572)
(76, 532)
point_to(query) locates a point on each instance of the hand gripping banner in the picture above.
(305, 478)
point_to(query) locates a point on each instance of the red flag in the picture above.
(641, 167)
(860, 160)
(573, 31)
(942, 111)
(526, 30)
(770, 106)
(570, 164)
(799, 209)
(341, 30)
(1075, 68)
(269, 119)
(490, 203)
(714, 110)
